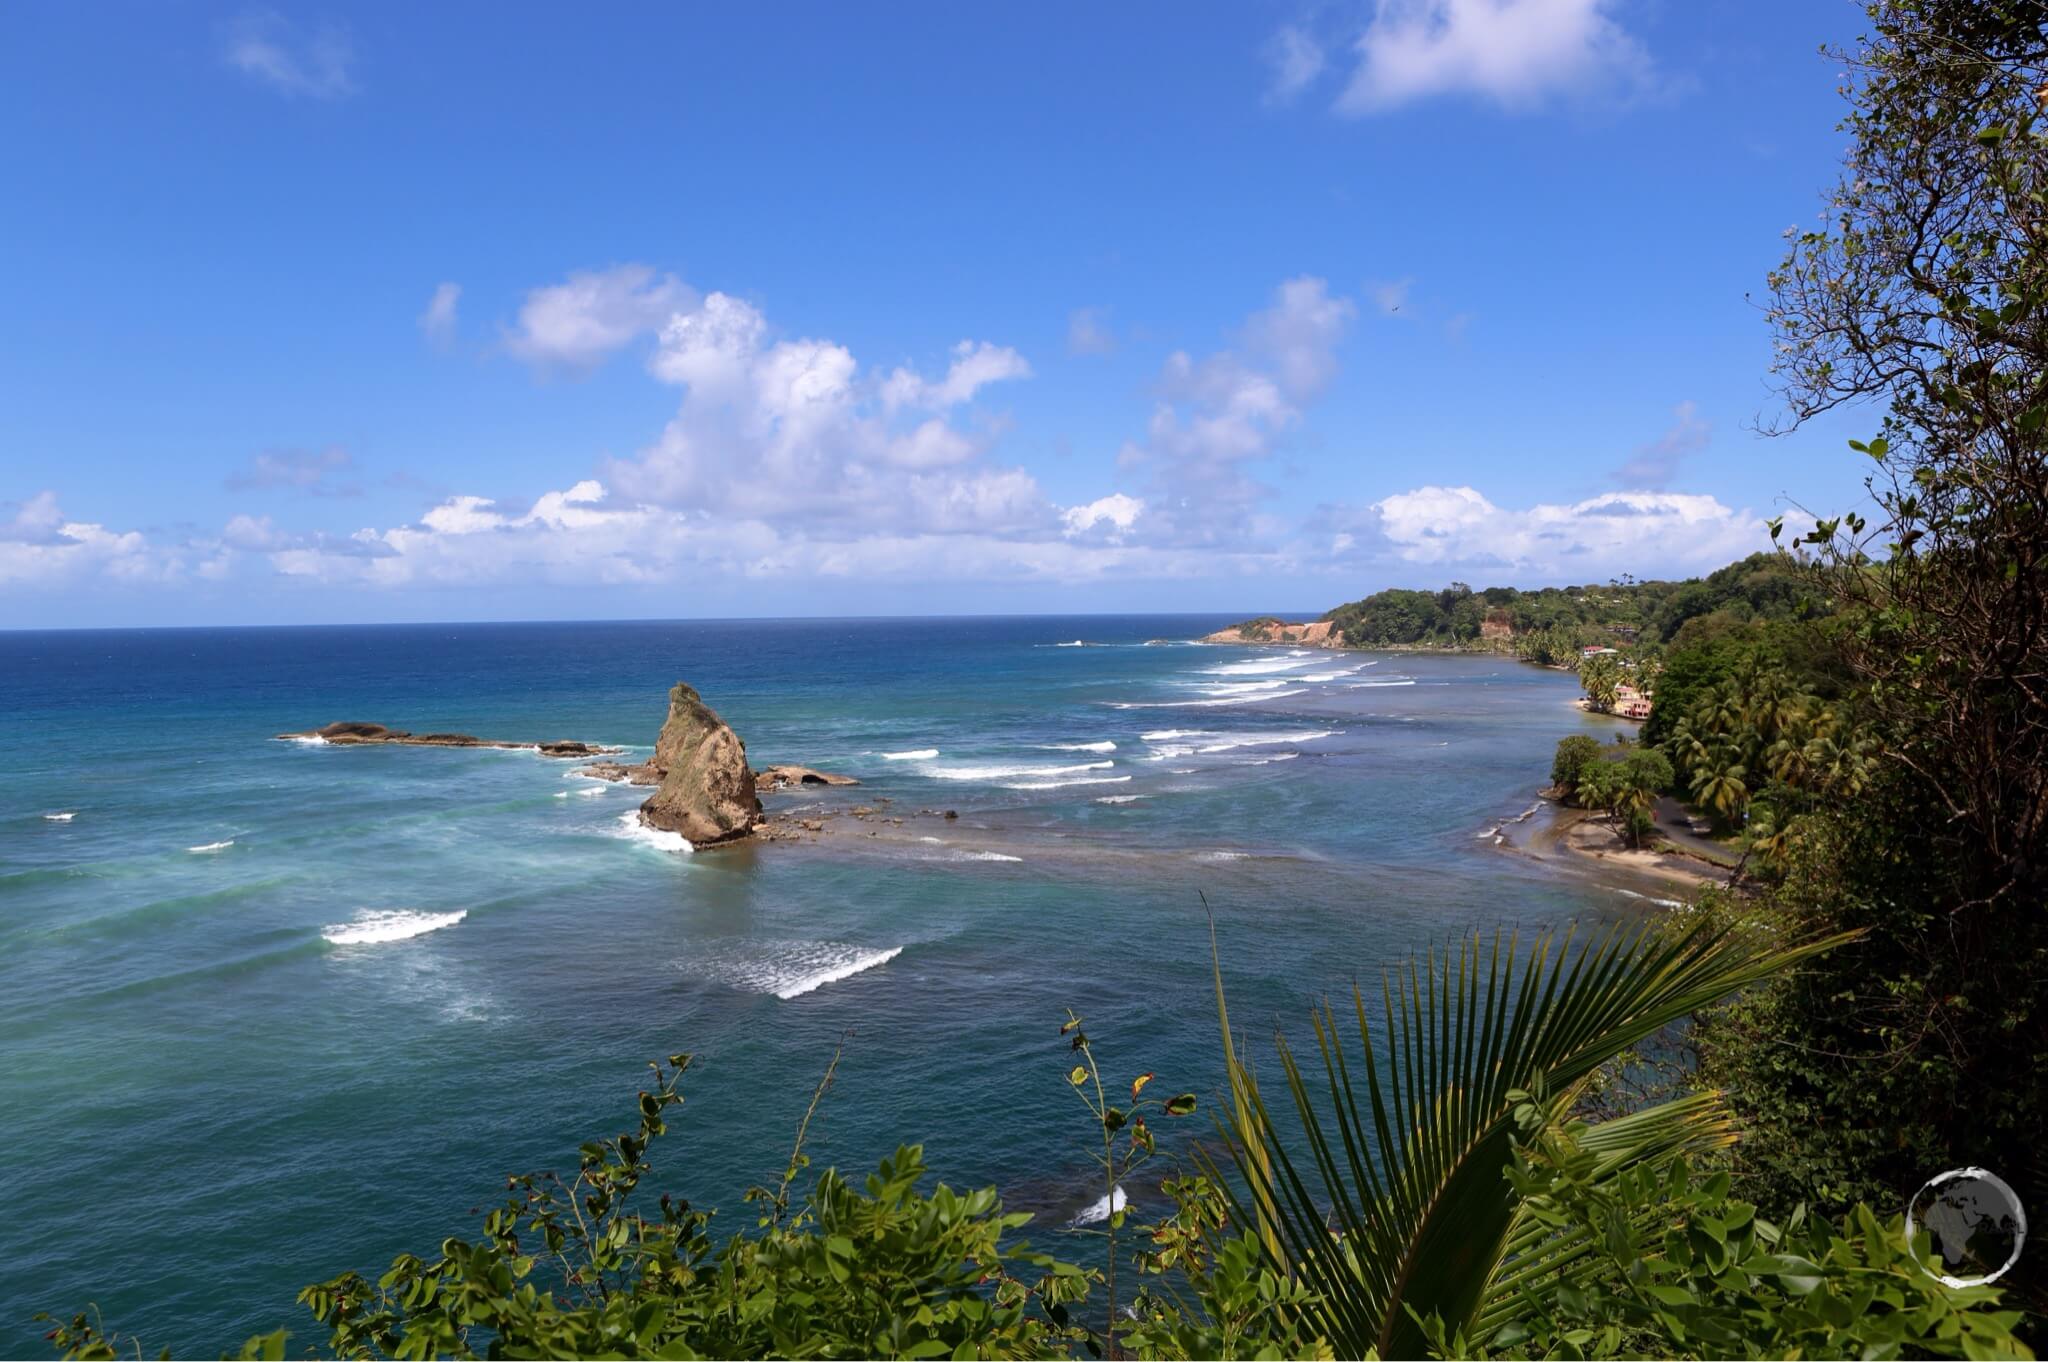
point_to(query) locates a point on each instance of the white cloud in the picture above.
(39, 546)
(1646, 533)
(1221, 415)
(266, 47)
(1517, 53)
(1655, 464)
(1088, 332)
(1296, 59)
(437, 323)
(789, 429)
(579, 323)
(975, 366)
(1116, 511)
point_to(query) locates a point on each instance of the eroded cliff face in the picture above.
(706, 791)
(1316, 634)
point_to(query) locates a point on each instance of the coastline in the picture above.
(1586, 841)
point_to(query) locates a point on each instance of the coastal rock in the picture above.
(353, 733)
(1268, 629)
(640, 774)
(571, 749)
(707, 790)
(790, 777)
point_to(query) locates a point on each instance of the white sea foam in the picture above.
(1246, 687)
(1062, 784)
(587, 791)
(1203, 704)
(985, 856)
(939, 840)
(633, 830)
(1376, 685)
(1262, 666)
(1268, 761)
(1077, 643)
(1078, 747)
(1182, 771)
(307, 739)
(917, 754)
(377, 927)
(1168, 751)
(1000, 772)
(65, 817)
(1101, 1208)
(801, 967)
(211, 846)
(1117, 799)
(1661, 903)
(1168, 734)
(1219, 855)
(1233, 741)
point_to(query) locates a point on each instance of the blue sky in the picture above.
(469, 312)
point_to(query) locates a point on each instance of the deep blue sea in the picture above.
(272, 1010)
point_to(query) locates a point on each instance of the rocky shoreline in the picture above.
(356, 734)
(704, 790)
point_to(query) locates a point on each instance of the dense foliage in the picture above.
(1919, 1049)
(1550, 625)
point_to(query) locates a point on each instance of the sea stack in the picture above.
(706, 791)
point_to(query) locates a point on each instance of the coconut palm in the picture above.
(1722, 786)
(1391, 1204)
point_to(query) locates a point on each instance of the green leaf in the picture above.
(1078, 1075)
(1183, 1105)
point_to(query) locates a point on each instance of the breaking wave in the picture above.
(1236, 740)
(211, 846)
(633, 830)
(1061, 784)
(1101, 1208)
(798, 967)
(1199, 704)
(917, 754)
(1000, 772)
(375, 928)
(1077, 747)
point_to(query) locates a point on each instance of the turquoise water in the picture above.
(246, 1041)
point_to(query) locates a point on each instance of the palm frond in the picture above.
(1396, 1200)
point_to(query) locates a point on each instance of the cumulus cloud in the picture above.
(788, 428)
(1294, 58)
(1516, 53)
(1115, 513)
(302, 470)
(1088, 332)
(976, 364)
(39, 546)
(581, 322)
(1219, 416)
(437, 323)
(1655, 464)
(583, 536)
(267, 48)
(1639, 532)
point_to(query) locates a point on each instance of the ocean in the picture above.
(271, 1010)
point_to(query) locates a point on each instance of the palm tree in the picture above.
(1392, 1202)
(1721, 786)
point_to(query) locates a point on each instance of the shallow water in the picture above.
(271, 1010)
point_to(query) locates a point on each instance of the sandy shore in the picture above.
(1588, 842)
